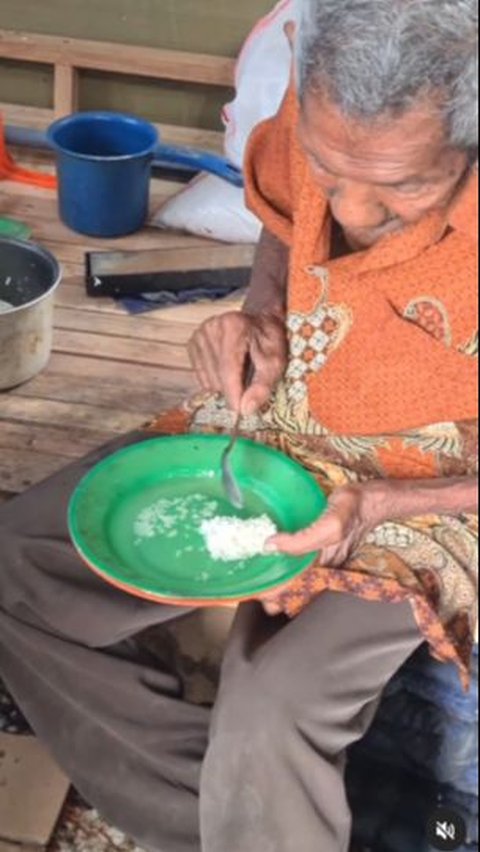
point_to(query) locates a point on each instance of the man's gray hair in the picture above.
(375, 57)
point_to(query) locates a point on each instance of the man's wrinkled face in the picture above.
(381, 176)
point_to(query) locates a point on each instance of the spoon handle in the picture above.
(248, 376)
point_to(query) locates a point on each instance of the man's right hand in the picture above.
(218, 351)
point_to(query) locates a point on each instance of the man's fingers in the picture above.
(326, 532)
(232, 371)
(272, 601)
(255, 397)
(204, 363)
(218, 351)
(228, 338)
(272, 608)
(197, 363)
(268, 349)
(269, 358)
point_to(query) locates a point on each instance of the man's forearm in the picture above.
(397, 499)
(267, 292)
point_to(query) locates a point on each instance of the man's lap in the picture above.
(44, 581)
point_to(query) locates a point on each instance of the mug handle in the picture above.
(198, 161)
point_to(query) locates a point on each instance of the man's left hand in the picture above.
(352, 512)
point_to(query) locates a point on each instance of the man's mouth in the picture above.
(367, 237)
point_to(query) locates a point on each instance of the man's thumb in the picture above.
(255, 397)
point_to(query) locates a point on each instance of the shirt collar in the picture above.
(462, 216)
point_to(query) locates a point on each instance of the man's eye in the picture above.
(410, 188)
(316, 165)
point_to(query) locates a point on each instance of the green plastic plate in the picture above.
(135, 518)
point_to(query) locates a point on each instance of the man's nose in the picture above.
(356, 206)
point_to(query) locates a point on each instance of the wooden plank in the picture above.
(42, 212)
(123, 325)
(71, 271)
(42, 204)
(73, 246)
(65, 90)
(73, 250)
(72, 415)
(118, 58)
(31, 205)
(42, 215)
(14, 189)
(192, 137)
(52, 440)
(147, 400)
(20, 469)
(73, 295)
(121, 349)
(34, 159)
(126, 376)
(39, 119)
(39, 207)
(30, 201)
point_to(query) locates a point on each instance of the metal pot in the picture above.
(29, 276)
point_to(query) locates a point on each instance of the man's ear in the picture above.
(290, 30)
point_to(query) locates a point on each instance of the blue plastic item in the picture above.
(27, 136)
(104, 163)
(197, 161)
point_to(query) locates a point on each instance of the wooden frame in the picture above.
(68, 56)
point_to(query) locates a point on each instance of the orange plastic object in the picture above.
(10, 171)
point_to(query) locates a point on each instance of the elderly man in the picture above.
(361, 325)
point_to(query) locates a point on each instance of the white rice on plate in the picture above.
(226, 539)
(232, 539)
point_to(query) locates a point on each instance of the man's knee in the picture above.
(250, 711)
(282, 691)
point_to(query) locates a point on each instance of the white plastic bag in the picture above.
(209, 206)
(261, 79)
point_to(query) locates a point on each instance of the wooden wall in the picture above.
(206, 26)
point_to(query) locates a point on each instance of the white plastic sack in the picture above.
(261, 79)
(209, 206)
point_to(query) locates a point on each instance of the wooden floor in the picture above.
(109, 372)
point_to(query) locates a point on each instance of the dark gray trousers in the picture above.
(264, 773)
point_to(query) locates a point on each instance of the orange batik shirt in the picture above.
(381, 382)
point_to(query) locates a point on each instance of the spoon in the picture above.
(230, 484)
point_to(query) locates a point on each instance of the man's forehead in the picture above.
(416, 136)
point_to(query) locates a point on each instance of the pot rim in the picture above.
(49, 257)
